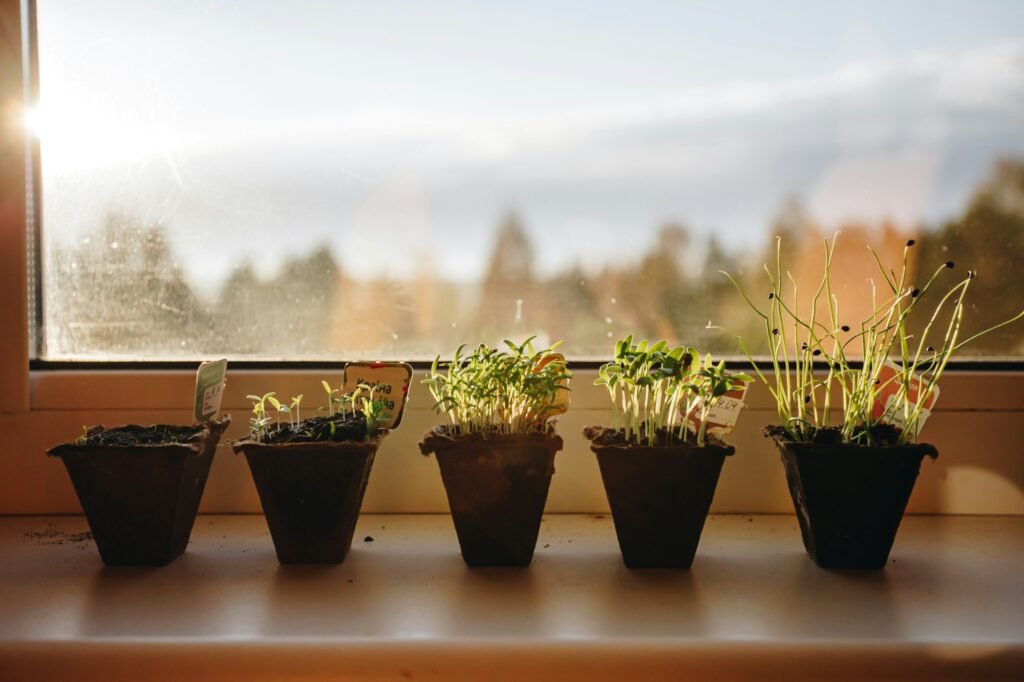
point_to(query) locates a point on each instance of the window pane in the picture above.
(334, 180)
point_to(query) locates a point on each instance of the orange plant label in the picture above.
(560, 405)
(890, 381)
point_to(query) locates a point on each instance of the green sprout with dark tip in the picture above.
(811, 361)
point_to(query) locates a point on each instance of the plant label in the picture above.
(390, 382)
(890, 393)
(723, 416)
(211, 378)
(561, 400)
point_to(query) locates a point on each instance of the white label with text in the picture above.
(211, 378)
(389, 382)
(723, 415)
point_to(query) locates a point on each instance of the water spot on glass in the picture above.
(608, 320)
(454, 325)
(614, 300)
(609, 335)
(394, 336)
(114, 245)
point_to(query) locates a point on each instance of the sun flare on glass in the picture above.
(82, 136)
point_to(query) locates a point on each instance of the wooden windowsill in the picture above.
(404, 606)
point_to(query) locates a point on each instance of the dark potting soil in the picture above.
(605, 437)
(879, 435)
(133, 435)
(447, 431)
(346, 427)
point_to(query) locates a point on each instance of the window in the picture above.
(331, 180)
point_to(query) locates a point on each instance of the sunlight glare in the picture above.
(82, 136)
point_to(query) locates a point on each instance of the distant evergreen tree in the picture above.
(119, 291)
(987, 238)
(507, 289)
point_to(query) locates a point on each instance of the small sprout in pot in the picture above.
(492, 390)
(884, 374)
(664, 395)
(354, 416)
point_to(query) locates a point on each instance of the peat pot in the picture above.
(140, 487)
(497, 485)
(659, 495)
(849, 499)
(311, 493)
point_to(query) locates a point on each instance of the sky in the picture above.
(402, 133)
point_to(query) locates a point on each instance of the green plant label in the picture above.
(389, 381)
(722, 417)
(900, 396)
(210, 382)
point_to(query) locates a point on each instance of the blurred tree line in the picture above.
(120, 292)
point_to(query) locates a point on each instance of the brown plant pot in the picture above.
(311, 494)
(659, 496)
(141, 500)
(849, 499)
(497, 486)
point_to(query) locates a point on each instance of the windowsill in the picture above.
(405, 606)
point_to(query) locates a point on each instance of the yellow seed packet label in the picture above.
(560, 404)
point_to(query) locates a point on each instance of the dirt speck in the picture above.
(52, 536)
(368, 538)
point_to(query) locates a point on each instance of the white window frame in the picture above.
(978, 425)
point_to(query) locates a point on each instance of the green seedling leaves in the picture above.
(663, 393)
(512, 389)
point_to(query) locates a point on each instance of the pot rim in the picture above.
(371, 443)
(195, 445)
(438, 439)
(782, 442)
(713, 445)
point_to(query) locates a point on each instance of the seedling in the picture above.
(491, 390)
(333, 402)
(800, 343)
(319, 427)
(374, 409)
(259, 422)
(656, 389)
